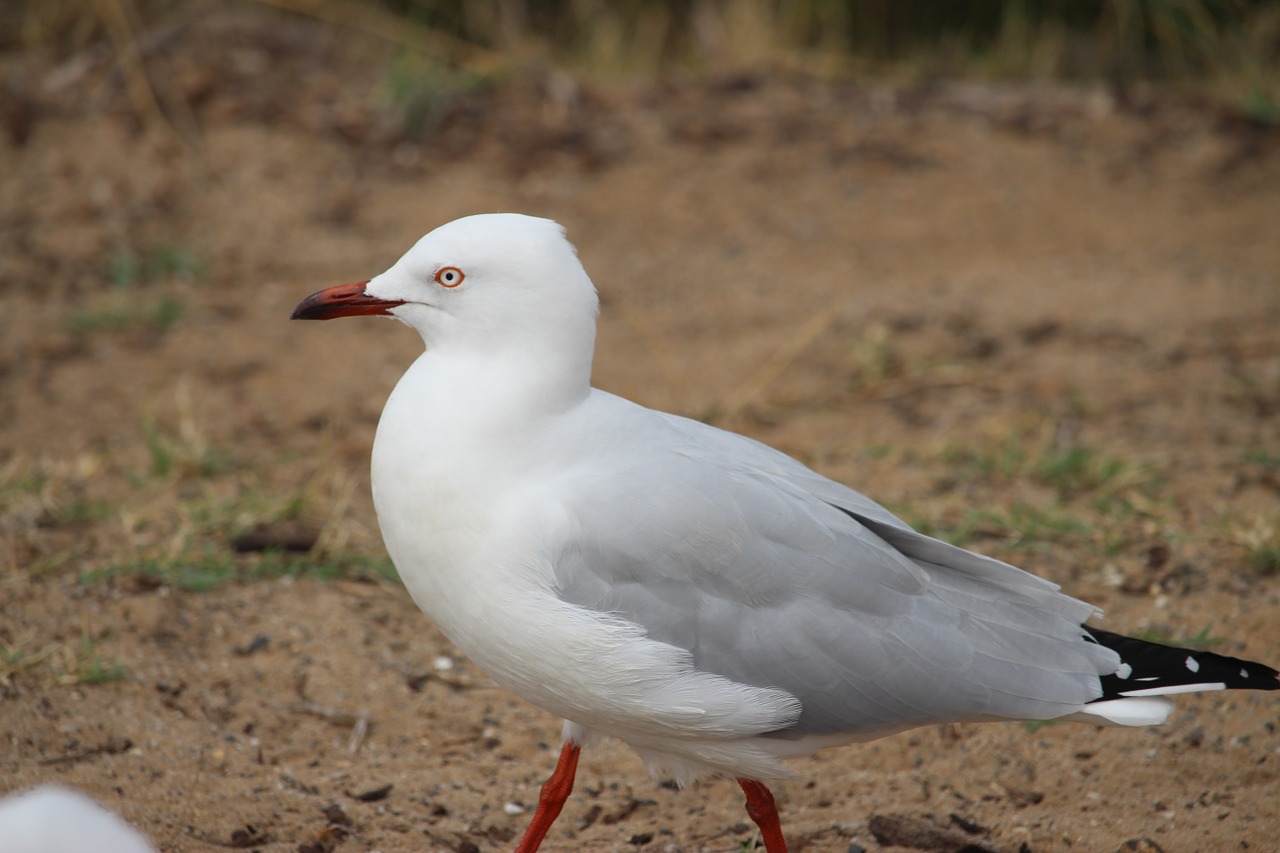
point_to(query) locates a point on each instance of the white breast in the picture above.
(474, 536)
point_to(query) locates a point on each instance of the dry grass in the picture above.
(176, 505)
(1227, 48)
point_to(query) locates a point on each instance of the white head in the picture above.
(482, 285)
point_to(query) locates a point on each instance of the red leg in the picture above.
(764, 812)
(554, 792)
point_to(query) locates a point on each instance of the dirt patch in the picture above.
(1040, 322)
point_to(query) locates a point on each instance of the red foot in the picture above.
(764, 812)
(554, 792)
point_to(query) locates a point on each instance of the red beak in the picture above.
(345, 300)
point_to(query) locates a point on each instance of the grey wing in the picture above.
(771, 575)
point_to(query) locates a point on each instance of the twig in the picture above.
(324, 712)
(358, 733)
(111, 746)
(916, 390)
(115, 17)
(781, 359)
(368, 19)
(331, 538)
(359, 722)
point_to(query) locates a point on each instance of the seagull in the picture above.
(710, 601)
(54, 819)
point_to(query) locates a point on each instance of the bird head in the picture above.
(490, 282)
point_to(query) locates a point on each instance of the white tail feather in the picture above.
(1135, 711)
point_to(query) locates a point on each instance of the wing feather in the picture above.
(770, 575)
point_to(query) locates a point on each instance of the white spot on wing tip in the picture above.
(1124, 671)
(1193, 664)
(1244, 673)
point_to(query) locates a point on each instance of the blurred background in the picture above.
(1227, 45)
(1011, 268)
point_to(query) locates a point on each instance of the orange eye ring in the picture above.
(449, 276)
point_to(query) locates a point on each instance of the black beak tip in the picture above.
(314, 307)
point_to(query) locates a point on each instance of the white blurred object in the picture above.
(50, 819)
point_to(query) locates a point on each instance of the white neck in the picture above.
(457, 433)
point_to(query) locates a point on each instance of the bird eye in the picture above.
(449, 277)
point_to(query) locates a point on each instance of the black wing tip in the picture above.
(1148, 668)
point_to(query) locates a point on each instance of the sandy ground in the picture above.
(1039, 321)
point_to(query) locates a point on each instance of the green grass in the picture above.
(173, 452)
(1069, 471)
(130, 308)
(1265, 557)
(215, 569)
(1263, 457)
(1028, 494)
(422, 91)
(1074, 468)
(20, 487)
(84, 511)
(1003, 462)
(92, 669)
(1261, 106)
(15, 659)
(249, 507)
(83, 666)
(1097, 496)
(1024, 523)
(1202, 640)
(1033, 726)
(873, 357)
(157, 313)
(127, 268)
(1225, 47)
(1253, 391)
(1022, 526)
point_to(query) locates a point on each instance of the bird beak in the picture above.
(345, 300)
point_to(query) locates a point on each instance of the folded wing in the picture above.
(770, 575)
